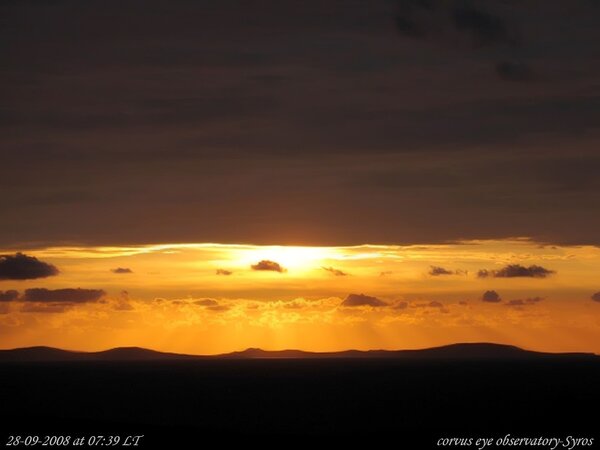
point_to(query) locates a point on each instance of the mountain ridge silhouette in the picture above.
(467, 351)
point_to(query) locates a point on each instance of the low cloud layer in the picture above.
(363, 300)
(22, 267)
(267, 265)
(517, 271)
(68, 295)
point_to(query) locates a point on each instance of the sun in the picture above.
(293, 258)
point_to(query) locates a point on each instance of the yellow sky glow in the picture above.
(206, 298)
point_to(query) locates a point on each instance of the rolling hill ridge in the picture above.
(463, 351)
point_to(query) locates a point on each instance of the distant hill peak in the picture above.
(253, 352)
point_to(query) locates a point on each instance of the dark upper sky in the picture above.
(307, 122)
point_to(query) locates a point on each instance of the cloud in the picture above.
(514, 71)
(484, 27)
(596, 297)
(123, 303)
(436, 271)
(519, 303)
(517, 271)
(432, 304)
(491, 297)
(408, 27)
(267, 265)
(206, 302)
(46, 308)
(516, 303)
(224, 272)
(411, 21)
(295, 304)
(443, 131)
(400, 305)
(121, 270)
(22, 267)
(452, 21)
(218, 308)
(334, 271)
(8, 296)
(385, 273)
(420, 19)
(69, 295)
(362, 300)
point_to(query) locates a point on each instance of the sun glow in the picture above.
(294, 259)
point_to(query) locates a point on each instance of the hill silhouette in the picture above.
(462, 351)
(50, 354)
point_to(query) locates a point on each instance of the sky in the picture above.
(401, 173)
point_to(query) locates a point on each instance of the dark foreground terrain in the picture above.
(416, 400)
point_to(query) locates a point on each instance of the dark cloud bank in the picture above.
(330, 122)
